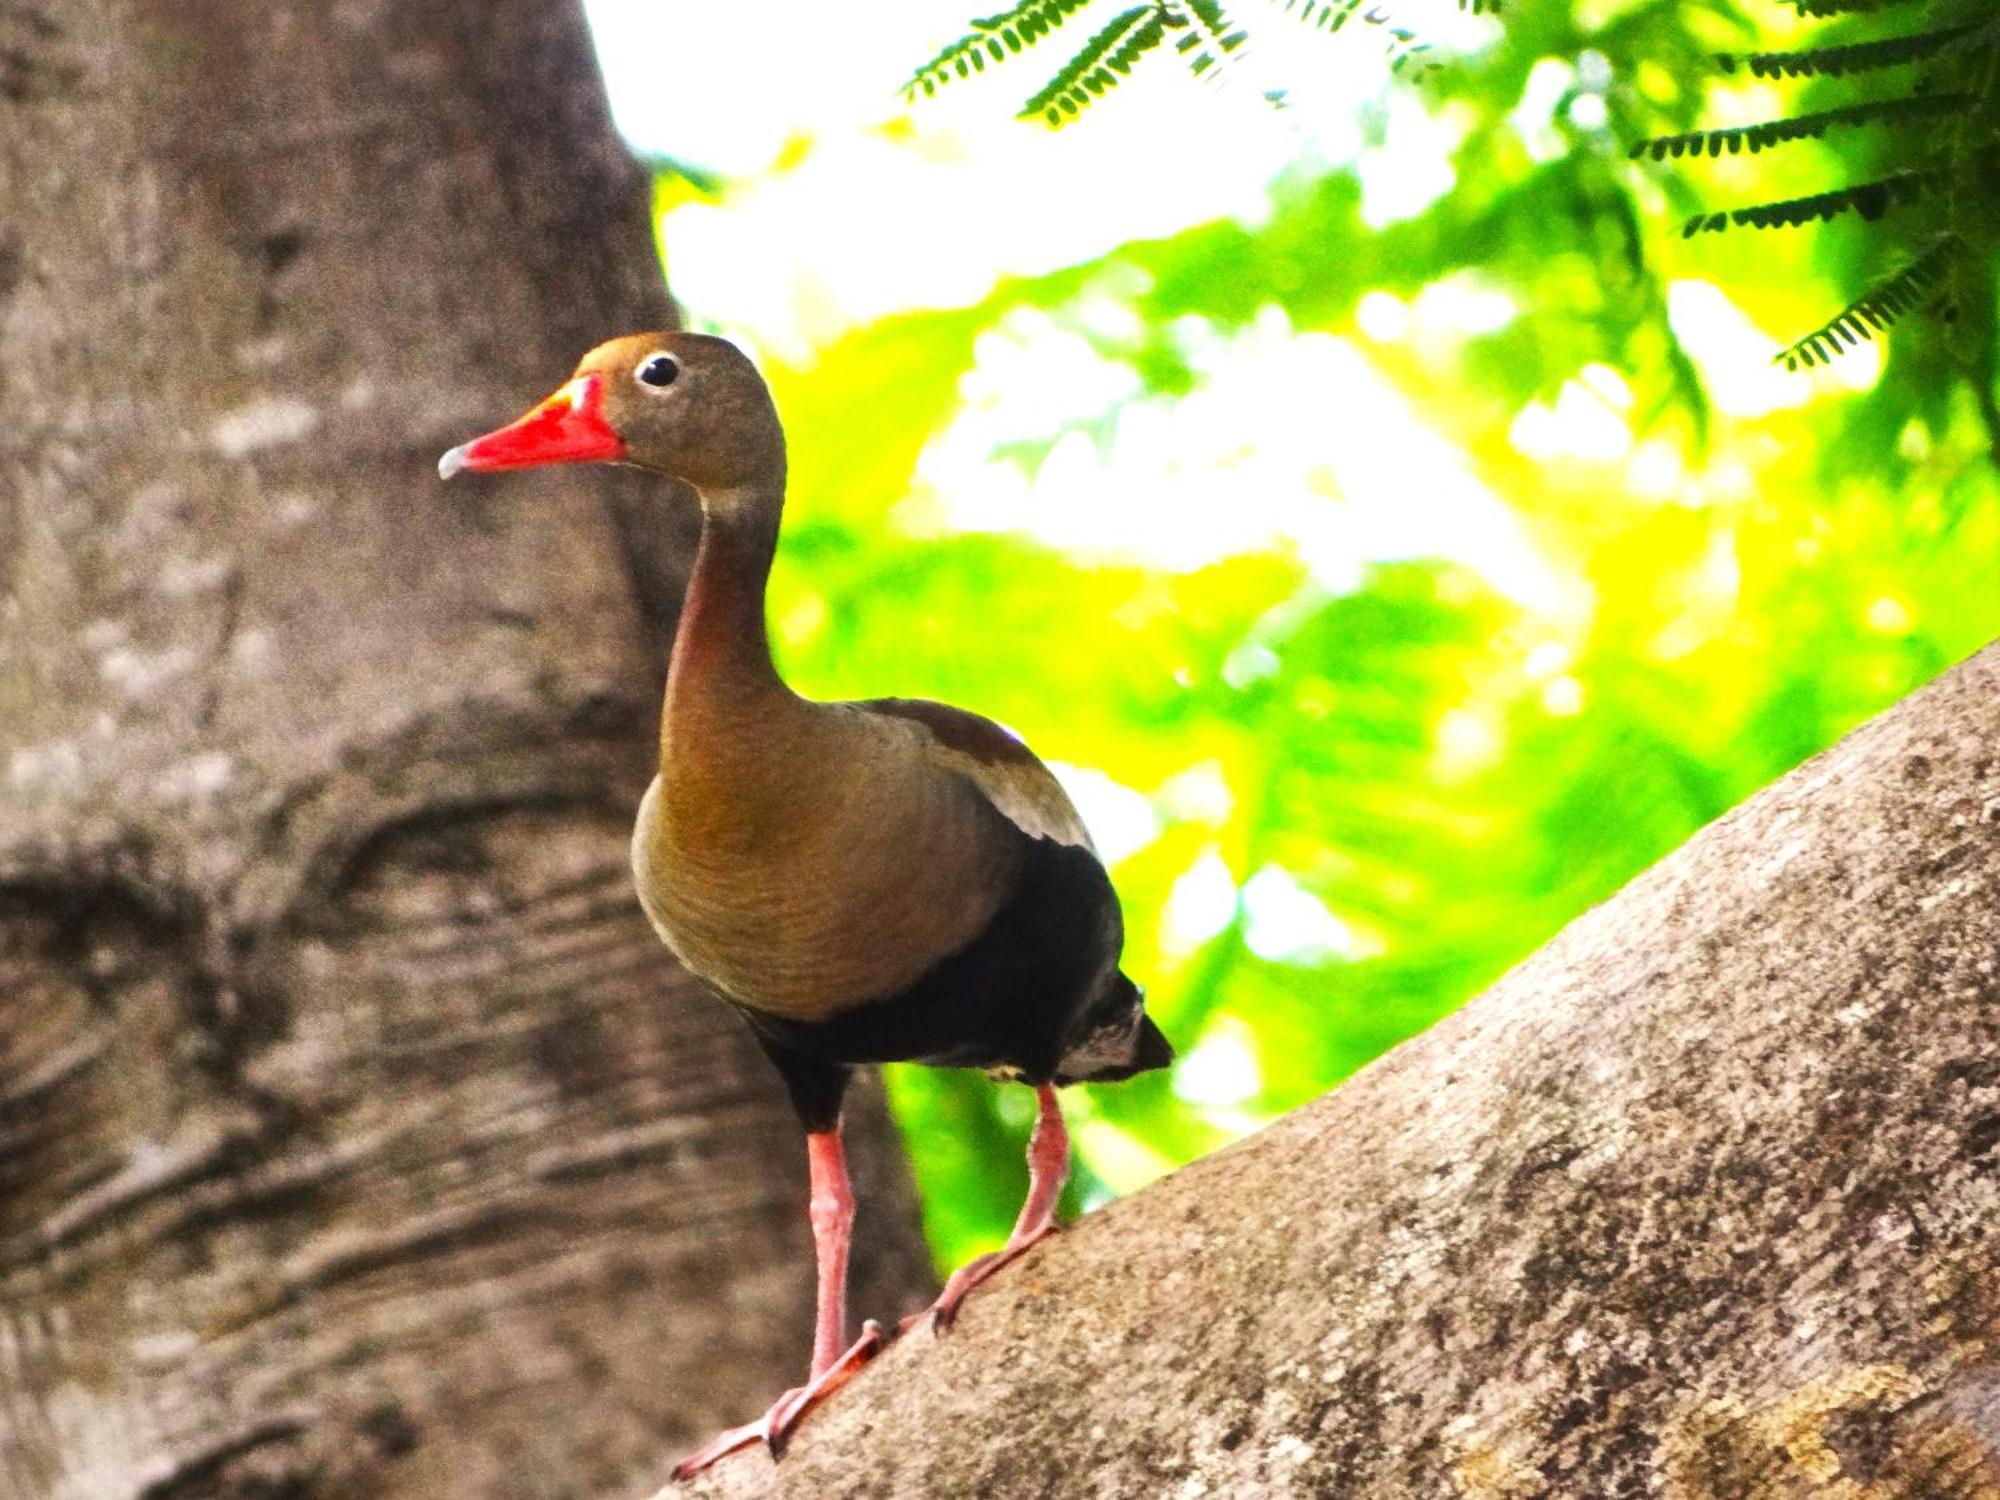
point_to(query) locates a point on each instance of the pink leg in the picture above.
(1048, 1170)
(831, 1209)
(832, 1213)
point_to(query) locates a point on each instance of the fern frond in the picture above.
(1331, 15)
(1404, 48)
(1211, 38)
(994, 38)
(1837, 62)
(1875, 309)
(1105, 58)
(1824, 8)
(1980, 35)
(1869, 199)
(1737, 138)
(1326, 15)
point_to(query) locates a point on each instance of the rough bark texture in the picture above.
(357, 1138)
(1702, 1201)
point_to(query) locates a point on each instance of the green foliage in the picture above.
(1204, 37)
(1954, 91)
(1838, 62)
(1735, 138)
(1110, 54)
(1105, 58)
(1871, 200)
(1875, 309)
(1825, 8)
(1330, 15)
(994, 39)
(1212, 37)
(1949, 163)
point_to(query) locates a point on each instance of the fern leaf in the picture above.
(1756, 138)
(1824, 8)
(1875, 309)
(1869, 199)
(1326, 15)
(994, 38)
(1837, 62)
(1104, 59)
(1211, 39)
(1331, 15)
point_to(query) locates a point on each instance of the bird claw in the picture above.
(774, 1428)
(976, 1272)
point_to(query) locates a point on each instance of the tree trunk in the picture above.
(1699, 1202)
(357, 1138)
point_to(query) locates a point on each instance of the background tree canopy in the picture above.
(1417, 537)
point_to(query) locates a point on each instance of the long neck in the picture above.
(721, 665)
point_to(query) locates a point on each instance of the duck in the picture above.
(885, 880)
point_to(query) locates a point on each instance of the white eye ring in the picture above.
(657, 371)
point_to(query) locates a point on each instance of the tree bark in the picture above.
(357, 1138)
(1698, 1202)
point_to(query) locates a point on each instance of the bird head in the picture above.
(686, 405)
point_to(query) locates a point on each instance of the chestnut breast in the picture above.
(819, 863)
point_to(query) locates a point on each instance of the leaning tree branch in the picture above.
(1702, 1200)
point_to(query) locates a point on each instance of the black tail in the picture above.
(1117, 1040)
(1155, 1051)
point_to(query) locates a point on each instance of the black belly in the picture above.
(1010, 999)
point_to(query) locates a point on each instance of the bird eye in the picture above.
(658, 370)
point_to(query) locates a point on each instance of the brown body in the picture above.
(795, 875)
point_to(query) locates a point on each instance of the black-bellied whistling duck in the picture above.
(867, 882)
